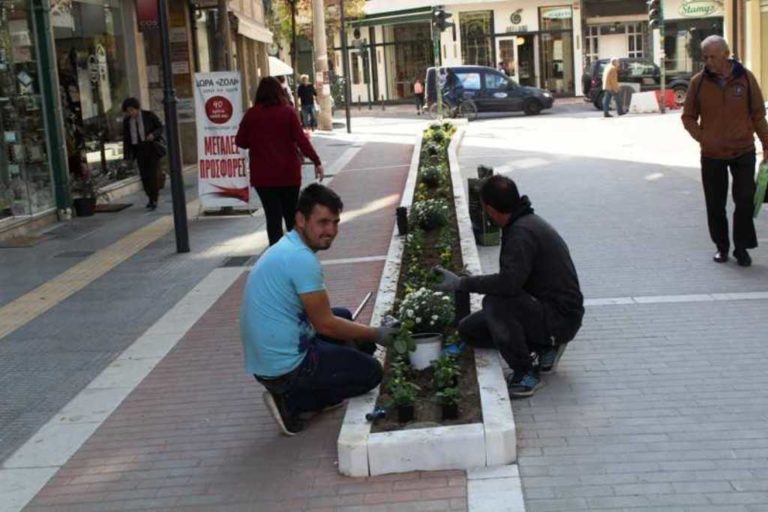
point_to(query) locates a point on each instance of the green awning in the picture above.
(421, 14)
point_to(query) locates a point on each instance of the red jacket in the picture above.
(273, 136)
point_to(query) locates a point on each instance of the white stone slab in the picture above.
(498, 419)
(495, 495)
(426, 449)
(52, 445)
(19, 486)
(486, 473)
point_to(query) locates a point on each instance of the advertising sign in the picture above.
(222, 166)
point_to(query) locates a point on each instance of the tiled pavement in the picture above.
(194, 435)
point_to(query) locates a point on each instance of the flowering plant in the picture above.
(430, 214)
(432, 175)
(426, 310)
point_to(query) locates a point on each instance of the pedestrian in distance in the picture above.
(307, 94)
(503, 68)
(309, 356)
(533, 306)
(611, 88)
(723, 110)
(286, 90)
(418, 92)
(143, 141)
(271, 133)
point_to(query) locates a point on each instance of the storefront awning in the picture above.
(278, 67)
(394, 17)
(252, 29)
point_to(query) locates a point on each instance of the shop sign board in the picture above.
(223, 178)
(558, 13)
(147, 14)
(688, 9)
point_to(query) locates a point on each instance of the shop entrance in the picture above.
(518, 55)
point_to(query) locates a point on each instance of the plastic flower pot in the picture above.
(84, 206)
(450, 412)
(429, 346)
(404, 413)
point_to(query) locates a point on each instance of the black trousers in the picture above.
(714, 177)
(279, 205)
(148, 162)
(515, 326)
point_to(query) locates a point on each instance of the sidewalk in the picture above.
(194, 435)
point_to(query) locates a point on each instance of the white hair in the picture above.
(715, 40)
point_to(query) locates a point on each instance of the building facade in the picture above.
(746, 28)
(65, 68)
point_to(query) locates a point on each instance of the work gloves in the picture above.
(449, 282)
(385, 336)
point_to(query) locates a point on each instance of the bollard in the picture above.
(359, 102)
(402, 220)
(382, 103)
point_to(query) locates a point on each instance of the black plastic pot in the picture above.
(450, 412)
(404, 413)
(84, 206)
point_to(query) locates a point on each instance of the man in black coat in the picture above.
(534, 305)
(143, 140)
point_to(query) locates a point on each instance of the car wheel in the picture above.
(680, 93)
(532, 108)
(599, 101)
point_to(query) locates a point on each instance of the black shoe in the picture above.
(289, 425)
(622, 113)
(149, 205)
(549, 360)
(720, 257)
(607, 115)
(742, 257)
(525, 385)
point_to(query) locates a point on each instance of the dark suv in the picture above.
(639, 71)
(493, 91)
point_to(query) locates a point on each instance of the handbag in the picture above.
(159, 146)
(761, 191)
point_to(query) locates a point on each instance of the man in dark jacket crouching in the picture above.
(534, 305)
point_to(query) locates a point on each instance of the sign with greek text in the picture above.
(222, 166)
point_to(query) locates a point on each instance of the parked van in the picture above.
(492, 91)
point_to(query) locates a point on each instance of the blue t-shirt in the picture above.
(274, 327)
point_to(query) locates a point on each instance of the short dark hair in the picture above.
(316, 194)
(500, 192)
(270, 93)
(131, 103)
(281, 79)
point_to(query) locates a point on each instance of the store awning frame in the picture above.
(252, 29)
(421, 14)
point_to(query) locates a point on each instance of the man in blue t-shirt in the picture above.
(308, 355)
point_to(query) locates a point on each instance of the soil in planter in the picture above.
(428, 412)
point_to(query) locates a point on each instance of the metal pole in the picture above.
(172, 132)
(294, 56)
(369, 74)
(345, 67)
(225, 37)
(438, 89)
(663, 102)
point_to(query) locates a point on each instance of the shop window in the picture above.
(476, 37)
(355, 61)
(90, 51)
(682, 43)
(592, 48)
(556, 18)
(25, 177)
(635, 41)
(408, 54)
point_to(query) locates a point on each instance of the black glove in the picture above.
(449, 281)
(385, 336)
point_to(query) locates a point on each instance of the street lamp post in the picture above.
(345, 66)
(172, 131)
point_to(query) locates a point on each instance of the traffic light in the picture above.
(440, 19)
(655, 14)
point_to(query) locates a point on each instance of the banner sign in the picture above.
(147, 14)
(223, 177)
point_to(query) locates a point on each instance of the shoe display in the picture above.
(549, 360)
(742, 257)
(289, 425)
(525, 385)
(720, 257)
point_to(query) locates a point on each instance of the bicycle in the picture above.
(465, 108)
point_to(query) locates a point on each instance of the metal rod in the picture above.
(172, 131)
(345, 66)
(361, 306)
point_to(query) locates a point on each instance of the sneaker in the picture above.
(548, 360)
(289, 425)
(525, 385)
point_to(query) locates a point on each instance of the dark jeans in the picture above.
(607, 96)
(516, 326)
(279, 205)
(420, 102)
(714, 177)
(147, 161)
(308, 116)
(330, 373)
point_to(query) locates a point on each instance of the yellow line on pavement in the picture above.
(33, 304)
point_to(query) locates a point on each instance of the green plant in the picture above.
(426, 310)
(404, 342)
(87, 184)
(446, 371)
(431, 175)
(448, 396)
(430, 214)
(403, 391)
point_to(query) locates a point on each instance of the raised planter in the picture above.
(490, 443)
